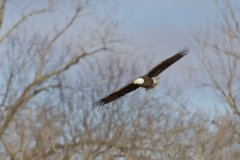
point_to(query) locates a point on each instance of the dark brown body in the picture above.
(148, 82)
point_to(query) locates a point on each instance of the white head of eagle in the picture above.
(139, 81)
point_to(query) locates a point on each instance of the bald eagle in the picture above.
(147, 81)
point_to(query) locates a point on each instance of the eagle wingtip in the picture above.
(184, 51)
(98, 103)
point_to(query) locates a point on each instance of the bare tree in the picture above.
(31, 68)
(221, 61)
(49, 82)
(2, 8)
(219, 55)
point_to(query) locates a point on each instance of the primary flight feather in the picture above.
(147, 81)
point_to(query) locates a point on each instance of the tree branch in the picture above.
(21, 21)
(2, 10)
(26, 96)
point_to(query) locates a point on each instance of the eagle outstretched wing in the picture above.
(152, 73)
(117, 94)
(166, 63)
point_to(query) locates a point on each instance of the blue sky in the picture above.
(171, 22)
(180, 14)
(167, 24)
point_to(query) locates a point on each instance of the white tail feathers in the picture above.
(156, 80)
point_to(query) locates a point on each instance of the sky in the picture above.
(170, 21)
(167, 24)
(162, 27)
(159, 28)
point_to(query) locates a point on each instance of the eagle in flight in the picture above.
(147, 81)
